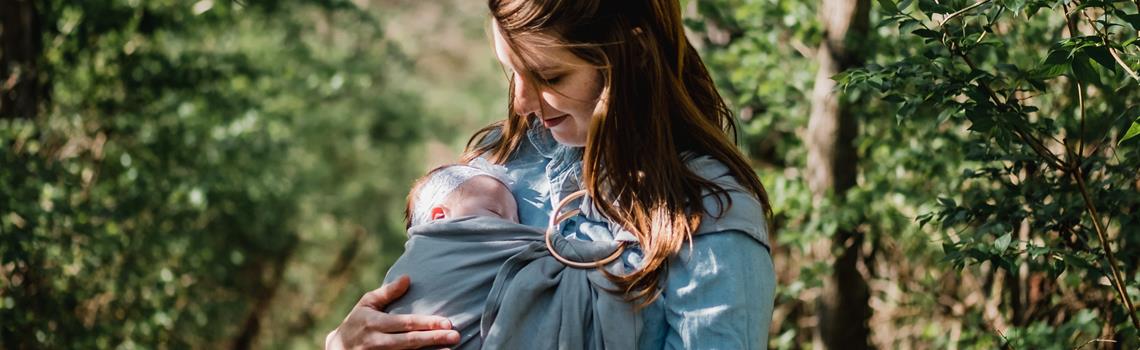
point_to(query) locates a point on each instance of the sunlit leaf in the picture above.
(1132, 132)
(1002, 243)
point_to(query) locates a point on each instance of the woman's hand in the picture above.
(366, 327)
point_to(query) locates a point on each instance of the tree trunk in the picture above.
(246, 338)
(21, 45)
(831, 170)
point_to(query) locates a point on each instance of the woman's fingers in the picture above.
(369, 327)
(389, 323)
(416, 340)
(380, 297)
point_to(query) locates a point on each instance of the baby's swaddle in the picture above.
(498, 284)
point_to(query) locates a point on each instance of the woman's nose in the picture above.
(526, 98)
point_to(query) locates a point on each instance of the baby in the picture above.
(463, 223)
(458, 190)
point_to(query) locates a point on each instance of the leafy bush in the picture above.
(995, 167)
(202, 174)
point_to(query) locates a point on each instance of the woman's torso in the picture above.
(706, 295)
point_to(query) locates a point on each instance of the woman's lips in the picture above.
(552, 122)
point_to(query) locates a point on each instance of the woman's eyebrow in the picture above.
(546, 69)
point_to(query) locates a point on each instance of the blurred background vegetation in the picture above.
(219, 174)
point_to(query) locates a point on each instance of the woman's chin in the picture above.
(568, 140)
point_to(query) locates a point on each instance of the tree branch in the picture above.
(962, 11)
(1051, 159)
(1120, 61)
(1118, 279)
(1104, 39)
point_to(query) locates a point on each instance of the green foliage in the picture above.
(779, 42)
(199, 167)
(1040, 150)
(972, 135)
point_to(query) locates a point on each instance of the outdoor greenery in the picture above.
(203, 175)
(995, 165)
(215, 173)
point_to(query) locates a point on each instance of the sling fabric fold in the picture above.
(499, 285)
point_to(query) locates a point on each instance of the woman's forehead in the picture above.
(540, 51)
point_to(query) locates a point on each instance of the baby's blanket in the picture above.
(498, 284)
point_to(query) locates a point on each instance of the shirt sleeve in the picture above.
(719, 294)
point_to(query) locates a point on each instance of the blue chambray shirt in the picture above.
(718, 295)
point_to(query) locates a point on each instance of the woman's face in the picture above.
(567, 105)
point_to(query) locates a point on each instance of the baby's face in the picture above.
(482, 196)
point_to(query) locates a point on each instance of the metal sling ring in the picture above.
(558, 218)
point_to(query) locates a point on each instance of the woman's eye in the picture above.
(551, 80)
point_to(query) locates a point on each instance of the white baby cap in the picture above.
(447, 179)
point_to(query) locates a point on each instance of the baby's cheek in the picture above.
(508, 216)
(510, 207)
(513, 212)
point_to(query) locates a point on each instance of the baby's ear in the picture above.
(438, 213)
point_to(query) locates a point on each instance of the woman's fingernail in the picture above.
(453, 337)
(445, 324)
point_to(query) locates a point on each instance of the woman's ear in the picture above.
(437, 213)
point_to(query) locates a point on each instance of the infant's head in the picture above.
(458, 190)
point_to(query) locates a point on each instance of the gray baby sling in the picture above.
(502, 289)
(532, 300)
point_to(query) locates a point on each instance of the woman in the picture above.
(617, 85)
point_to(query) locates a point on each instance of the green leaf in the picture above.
(930, 7)
(1057, 57)
(1015, 5)
(947, 202)
(927, 33)
(1057, 63)
(888, 6)
(946, 113)
(1033, 8)
(908, 24)
(1133, 19)
(1132, 131)
(1100, 55)
(1083, 70)
(980, 122)
(1003, 242)
(1049, 72)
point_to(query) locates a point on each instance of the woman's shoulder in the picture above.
(734, 209)
(712, 169)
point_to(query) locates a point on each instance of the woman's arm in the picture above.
(366, 327)
(720, 294)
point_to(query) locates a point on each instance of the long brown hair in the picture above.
(658, 100)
